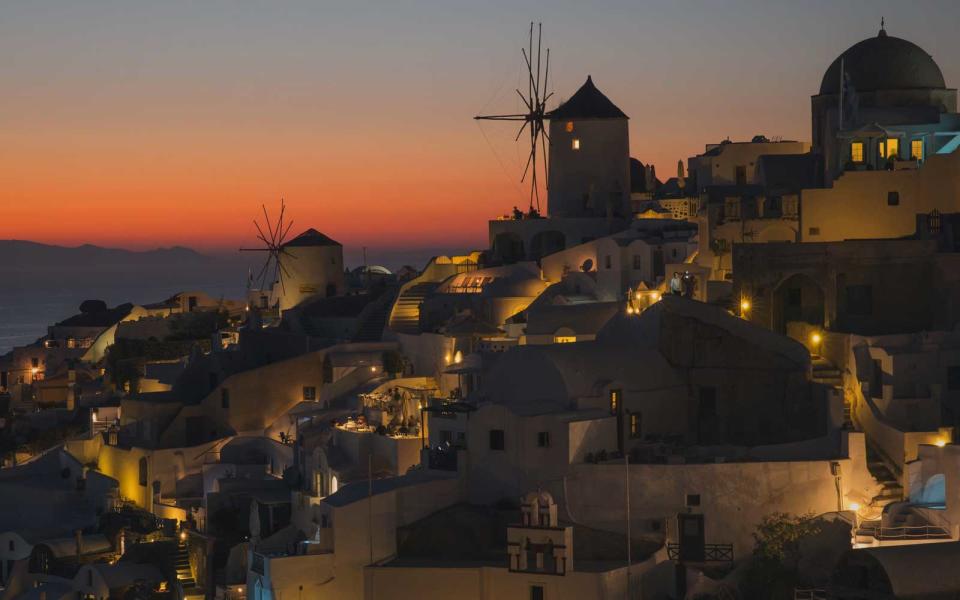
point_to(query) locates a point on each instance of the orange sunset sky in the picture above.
(152, 124)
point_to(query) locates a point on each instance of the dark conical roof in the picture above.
(884, 63)
(311, 237)
(587, 103)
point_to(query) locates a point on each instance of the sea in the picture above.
(29, 305)
(32, 298)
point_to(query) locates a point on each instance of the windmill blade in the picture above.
(285, 232)
(501, 117)
(283, 208)
(269, 226)
(546, 79)
(522, 127)
(529, 103)
(527, 168)
(261, 236)
(536, 88)
(278, 276)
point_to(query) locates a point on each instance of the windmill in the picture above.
(272, 235)
(532, 120)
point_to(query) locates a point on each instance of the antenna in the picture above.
(272, 235)
(535, 100)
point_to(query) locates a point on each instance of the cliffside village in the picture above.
(741, 381)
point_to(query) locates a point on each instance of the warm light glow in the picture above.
(655, 296)
(576, 144)
(941, 443)
(183, 535)
(569, 126)
(639, 295)
(856, 152)
(564, 339)
(629, 310)
(890, 148)
(815, 338)
(744, 305)
(458, 357)
(447, 358)
(373, 369)
(34, 370)
(854, 506)
(916, 149)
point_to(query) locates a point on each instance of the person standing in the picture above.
(676, 285)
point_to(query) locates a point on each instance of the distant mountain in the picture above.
(21, 255)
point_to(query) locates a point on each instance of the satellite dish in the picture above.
(587, 265)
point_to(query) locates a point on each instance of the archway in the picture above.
(798, 299)
(508, 247)
(546, 243)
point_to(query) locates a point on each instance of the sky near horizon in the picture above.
(144, 124)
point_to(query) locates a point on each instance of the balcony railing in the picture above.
(918, 532)
(711, 552)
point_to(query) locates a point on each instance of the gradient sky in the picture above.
(140, 124)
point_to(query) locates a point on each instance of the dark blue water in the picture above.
(29, 303)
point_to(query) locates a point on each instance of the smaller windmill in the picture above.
(272, 235)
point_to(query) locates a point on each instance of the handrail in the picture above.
(909, 532)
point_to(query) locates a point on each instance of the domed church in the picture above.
(883, 104)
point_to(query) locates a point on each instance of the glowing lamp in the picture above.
(639, 295)
(629, 310)
(854, 506)
(458, 357)
(744, 305)
(34, 370)
(941, 443)
(815, 338)
(373, 369)
(655, 296)
(183, 536)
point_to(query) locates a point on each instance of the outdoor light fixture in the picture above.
(815, 338)
(458, 357)
(744, 305)
(373, 369)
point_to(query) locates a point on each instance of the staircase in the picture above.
(181, 563)
(371, 329)
(405, 317)
(825, 373)
(892, 490)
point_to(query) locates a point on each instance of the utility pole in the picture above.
(626, 468)
(370, 502)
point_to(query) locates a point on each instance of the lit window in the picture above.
(569, 126)
(564, 339)
(890, 148)
(576, 143)
(614, 401)
(635, 425)
(916, 150)
(856, 152)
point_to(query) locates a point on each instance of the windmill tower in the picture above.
(307, 266)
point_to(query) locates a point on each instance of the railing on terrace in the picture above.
(918, 532)
(711, 552)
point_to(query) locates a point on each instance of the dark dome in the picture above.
(884, 63)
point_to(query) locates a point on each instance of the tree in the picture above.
(773, 569)
(778, 536)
